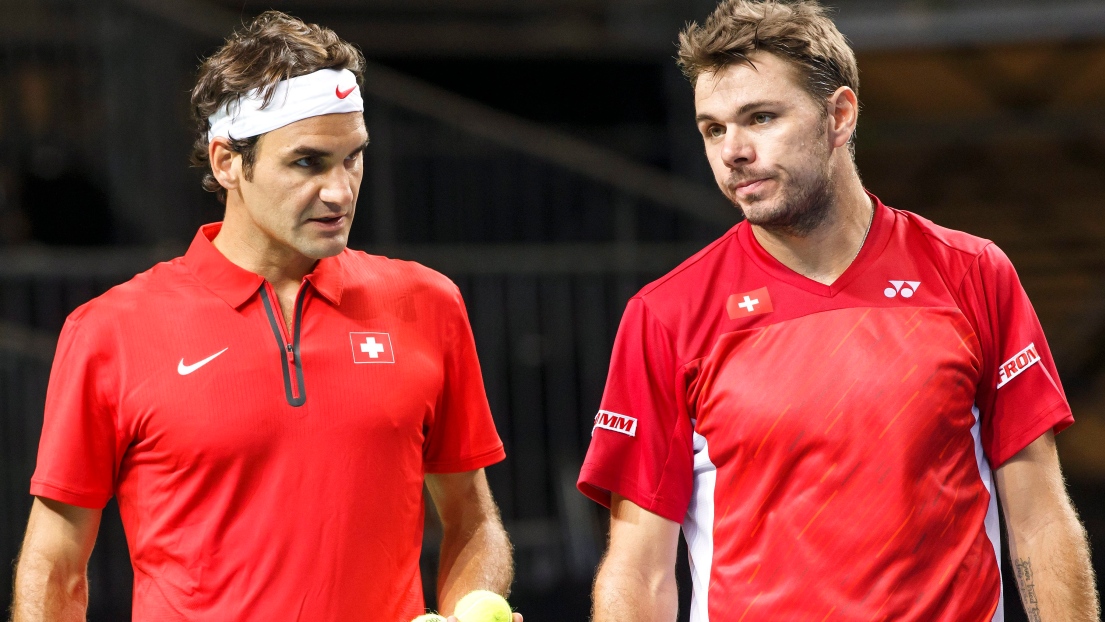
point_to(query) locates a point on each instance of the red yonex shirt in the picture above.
(262, 475)
(828, 449)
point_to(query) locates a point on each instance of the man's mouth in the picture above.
(329, 220)
(749, 186)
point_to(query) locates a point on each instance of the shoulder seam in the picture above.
(654, 316)
(972, 265)
(687, 263)
(929, 235)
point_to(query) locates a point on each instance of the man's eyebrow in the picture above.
(763, 103)
(360, 147)
(310, 152)
(745, 109)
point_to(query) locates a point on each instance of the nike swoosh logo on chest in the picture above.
(184, 370)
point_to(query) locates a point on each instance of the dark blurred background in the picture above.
(542, 153)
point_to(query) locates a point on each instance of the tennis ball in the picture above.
(429, 617)
(483, 606)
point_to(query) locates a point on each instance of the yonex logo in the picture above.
(615, 423)
(905, 288)
(1015, 366)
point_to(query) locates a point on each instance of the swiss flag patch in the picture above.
(372, 348)
(748, 303)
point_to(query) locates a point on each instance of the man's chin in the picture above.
(321, 249)
(758, 213)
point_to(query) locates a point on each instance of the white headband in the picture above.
(325, 91)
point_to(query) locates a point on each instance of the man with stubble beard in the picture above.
(831, 399)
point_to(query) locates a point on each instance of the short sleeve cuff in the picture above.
(598, 486)
(93, 501)
(471, 463)
(1056, 417)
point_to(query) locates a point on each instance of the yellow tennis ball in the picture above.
(483, 606)
(429, 617)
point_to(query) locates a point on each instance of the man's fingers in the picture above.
(517, 617)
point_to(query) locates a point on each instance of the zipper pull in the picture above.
(291, 356)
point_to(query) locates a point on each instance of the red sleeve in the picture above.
(1019, 396)
(79, 452)
(641, 442)
(461, 435)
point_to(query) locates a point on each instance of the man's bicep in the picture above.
(60, 533)
(1030, 486)
(647, 541)
(458, 496)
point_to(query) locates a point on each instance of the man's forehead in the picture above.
(763, 76)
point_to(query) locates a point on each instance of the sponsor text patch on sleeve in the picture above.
(1018, 363)
(615, 423)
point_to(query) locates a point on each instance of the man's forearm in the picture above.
(622, 592)
(481, 559)
(47, 592)
(1054, 574)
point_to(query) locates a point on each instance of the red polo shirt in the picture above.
(263, 473)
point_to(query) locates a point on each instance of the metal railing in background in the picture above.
(633, 28)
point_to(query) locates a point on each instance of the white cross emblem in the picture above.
(372, 348)
(749, 303)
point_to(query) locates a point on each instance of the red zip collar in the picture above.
(236, 285)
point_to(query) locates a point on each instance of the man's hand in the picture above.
(1047, 542)
(636, 580)
(51, 581)
(475, 550)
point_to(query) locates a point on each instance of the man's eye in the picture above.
(715, 131)
(761, 117)
(306, 162)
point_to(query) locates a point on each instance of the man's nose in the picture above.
(737, 149)
(337, 188)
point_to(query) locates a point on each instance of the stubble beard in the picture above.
(803, 207)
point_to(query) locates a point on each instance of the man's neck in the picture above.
(246, 248)
(826, 252)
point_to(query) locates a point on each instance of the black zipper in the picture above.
(296, 393)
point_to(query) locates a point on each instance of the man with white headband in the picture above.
(267, 408)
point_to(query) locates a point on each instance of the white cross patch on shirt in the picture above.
(372, 348)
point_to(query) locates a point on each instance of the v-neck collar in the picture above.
(877, 237)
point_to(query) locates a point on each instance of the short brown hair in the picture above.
(273, 47)
(798, 31)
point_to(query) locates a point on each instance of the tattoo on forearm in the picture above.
(1025, 581)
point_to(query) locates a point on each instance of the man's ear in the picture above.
(226, 164)
(843, 107)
